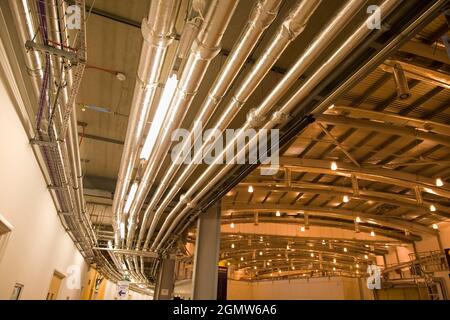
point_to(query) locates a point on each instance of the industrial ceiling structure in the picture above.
(363, 115)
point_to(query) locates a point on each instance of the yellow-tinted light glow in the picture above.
(278, 213)
(345, 249)
(250, 189)
(345, 199)
(358, 220)
(260, 253)
(232, 246)
(122, 230)
(432, 208)
(242, 258)
(439, 182)
(334, 269)
(158, 119)
(372, 233)
(334, 260)
(232, 225)
(312, 255)
(302, 229)
(334, 166)
(366, 256)
(130, 197)
(435, 226)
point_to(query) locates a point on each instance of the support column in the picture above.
(207, 249)
(166, 280)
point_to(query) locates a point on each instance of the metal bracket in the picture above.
(71, 56)
(44, 143)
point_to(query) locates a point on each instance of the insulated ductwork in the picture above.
(262, 15)
(292, 26)
(319, 44)
(157, 35)
(204, 49)
(305, 89)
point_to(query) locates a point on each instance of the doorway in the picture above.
(55, 284)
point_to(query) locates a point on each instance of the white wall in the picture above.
(336, 288)
(38, 244)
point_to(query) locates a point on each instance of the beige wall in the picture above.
(335, 288)
(38, 244)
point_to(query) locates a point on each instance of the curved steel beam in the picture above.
(329, 212)
(388, 176)
(421, 124)
(382, 127)
(394, 234)
(383, 197)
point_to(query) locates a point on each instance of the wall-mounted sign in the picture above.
(122, 290)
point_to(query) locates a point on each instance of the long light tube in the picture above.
(130, 197)
(122, 230)
(160, 114)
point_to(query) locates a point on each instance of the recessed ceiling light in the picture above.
(250, 189)
(435, 226)
(432, 208)
(334, 166)
(439, 182)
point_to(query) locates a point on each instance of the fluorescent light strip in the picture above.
(130, 198)
(158, 119)
(122, 230)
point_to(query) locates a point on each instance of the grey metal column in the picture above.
(207, 249)
(166, 280)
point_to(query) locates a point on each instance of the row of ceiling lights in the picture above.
(346, 199)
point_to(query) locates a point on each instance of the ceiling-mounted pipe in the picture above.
(262, 15)
(319, 44)
(204, 49)
(57, 18)
(289, 30)
(338, 56)
(157, 35)
(403, 91)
